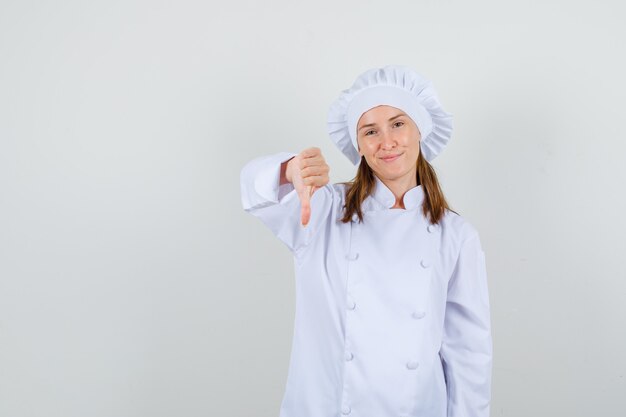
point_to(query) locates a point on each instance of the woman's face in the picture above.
(390, 142)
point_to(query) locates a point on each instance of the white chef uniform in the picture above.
(392, 314)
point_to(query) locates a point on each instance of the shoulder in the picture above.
(336, 191)
(459, 238)
(456, 229)
(340, 188)
(332, 196)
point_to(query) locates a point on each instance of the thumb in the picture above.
(305, 204)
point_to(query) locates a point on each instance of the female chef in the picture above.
(392, 308)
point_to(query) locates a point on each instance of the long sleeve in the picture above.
(277, 205)
(466, 349)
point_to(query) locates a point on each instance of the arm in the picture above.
(278, 191)
(466, 350)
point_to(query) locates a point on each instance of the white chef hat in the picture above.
(397, 86)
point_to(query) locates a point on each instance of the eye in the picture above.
(369, 132)
(398, 124)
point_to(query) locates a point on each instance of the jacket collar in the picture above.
(382, 197)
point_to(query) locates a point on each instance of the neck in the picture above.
(399, 187)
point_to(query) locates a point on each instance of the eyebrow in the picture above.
(374, 124)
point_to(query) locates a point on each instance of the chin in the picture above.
(392, 175)
(388, 176)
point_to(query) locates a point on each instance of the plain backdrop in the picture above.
(133, 284)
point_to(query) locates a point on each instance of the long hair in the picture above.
(362, 185)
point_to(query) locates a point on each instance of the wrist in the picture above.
(285, 171)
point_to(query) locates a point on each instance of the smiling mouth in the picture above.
(390, 158)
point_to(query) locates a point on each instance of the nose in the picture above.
(387, 140)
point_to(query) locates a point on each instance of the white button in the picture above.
(349, 356)
(355, 217)
(430, 228)
(351, 304)
(424, 263)
(345, 410)
(418, 314)
(412, 364)
(352, 257)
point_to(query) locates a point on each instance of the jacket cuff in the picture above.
(260, 181)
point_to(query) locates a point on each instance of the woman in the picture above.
(392, 308)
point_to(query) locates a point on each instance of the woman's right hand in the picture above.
(307, 171)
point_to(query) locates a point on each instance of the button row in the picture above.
(352, 256)
(417, 314)
(412, 364)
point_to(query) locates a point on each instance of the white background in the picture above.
(133, 284)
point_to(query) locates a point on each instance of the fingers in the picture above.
(311, 157)
(310, 152)
(316, 180)
(312, 172)
(312, 161)
(313, 168)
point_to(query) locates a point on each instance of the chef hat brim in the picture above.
(396, 86)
